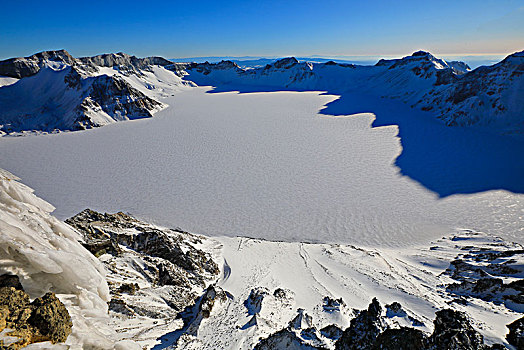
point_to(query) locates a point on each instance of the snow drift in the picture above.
(46, 255)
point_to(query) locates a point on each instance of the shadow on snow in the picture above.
(445, 160)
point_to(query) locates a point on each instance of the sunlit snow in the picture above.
(263, 165)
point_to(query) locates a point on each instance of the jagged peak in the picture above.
(516, 58)
(420, 53)
(51, 55)
(285, 62)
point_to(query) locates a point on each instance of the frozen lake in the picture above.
(266, 165)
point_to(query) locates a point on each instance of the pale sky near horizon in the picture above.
(263, 28)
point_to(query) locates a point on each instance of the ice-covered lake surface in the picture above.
(270, 165)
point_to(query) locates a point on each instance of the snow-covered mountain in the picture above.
(60, 92)
(487, 96)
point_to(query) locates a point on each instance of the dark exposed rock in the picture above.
(363, 329)
(331, 305)
(149, 241)
(169, 274)
(481, 274)
(170, 270)
(454, 331)
(208, 300)
(400, 339)
(124, 61)
(301, 321)
(10, 281)
(254, 301)
(119, 306)
(45, 319)
(17, 303)
(285, 63)
(51, 318)
(516, 333)
(98, 247)
(128, 288)
(331, 332)
(117, 97)
(284, 339)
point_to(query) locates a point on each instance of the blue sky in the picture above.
(262, 28)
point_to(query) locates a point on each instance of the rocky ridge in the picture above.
(451, 91)
(154, 274)
(70, 93)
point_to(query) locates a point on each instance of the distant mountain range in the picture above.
(474, 61)
(60, 92)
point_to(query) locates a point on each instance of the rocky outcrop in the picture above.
(403, 338)
(489, 275)
(364, 329)
(44, 319)
(171, 277)
(452, 330)
(516, 333)
(285, 339)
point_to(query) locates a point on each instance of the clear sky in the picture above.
(262, 28)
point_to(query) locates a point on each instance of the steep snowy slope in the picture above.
(60, 92)
(46, 255)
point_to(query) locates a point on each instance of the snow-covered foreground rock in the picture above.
(154, 273)
(172, 289)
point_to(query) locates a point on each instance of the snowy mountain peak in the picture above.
(287, 62)
(21, 67)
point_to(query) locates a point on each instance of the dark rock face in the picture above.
(51, 318)
(208, 300)
(453, 331)
(331, 332)
(45, 319)
(284, 339)
(119, 99)
(484, 274)
(400, 339)
(253, 303)
(150, 241)
(124, 62)
(10, 281)
(363, 329)
(516, 333)
(284, 63)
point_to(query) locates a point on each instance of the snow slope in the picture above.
(311, 286)
(46, 255)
